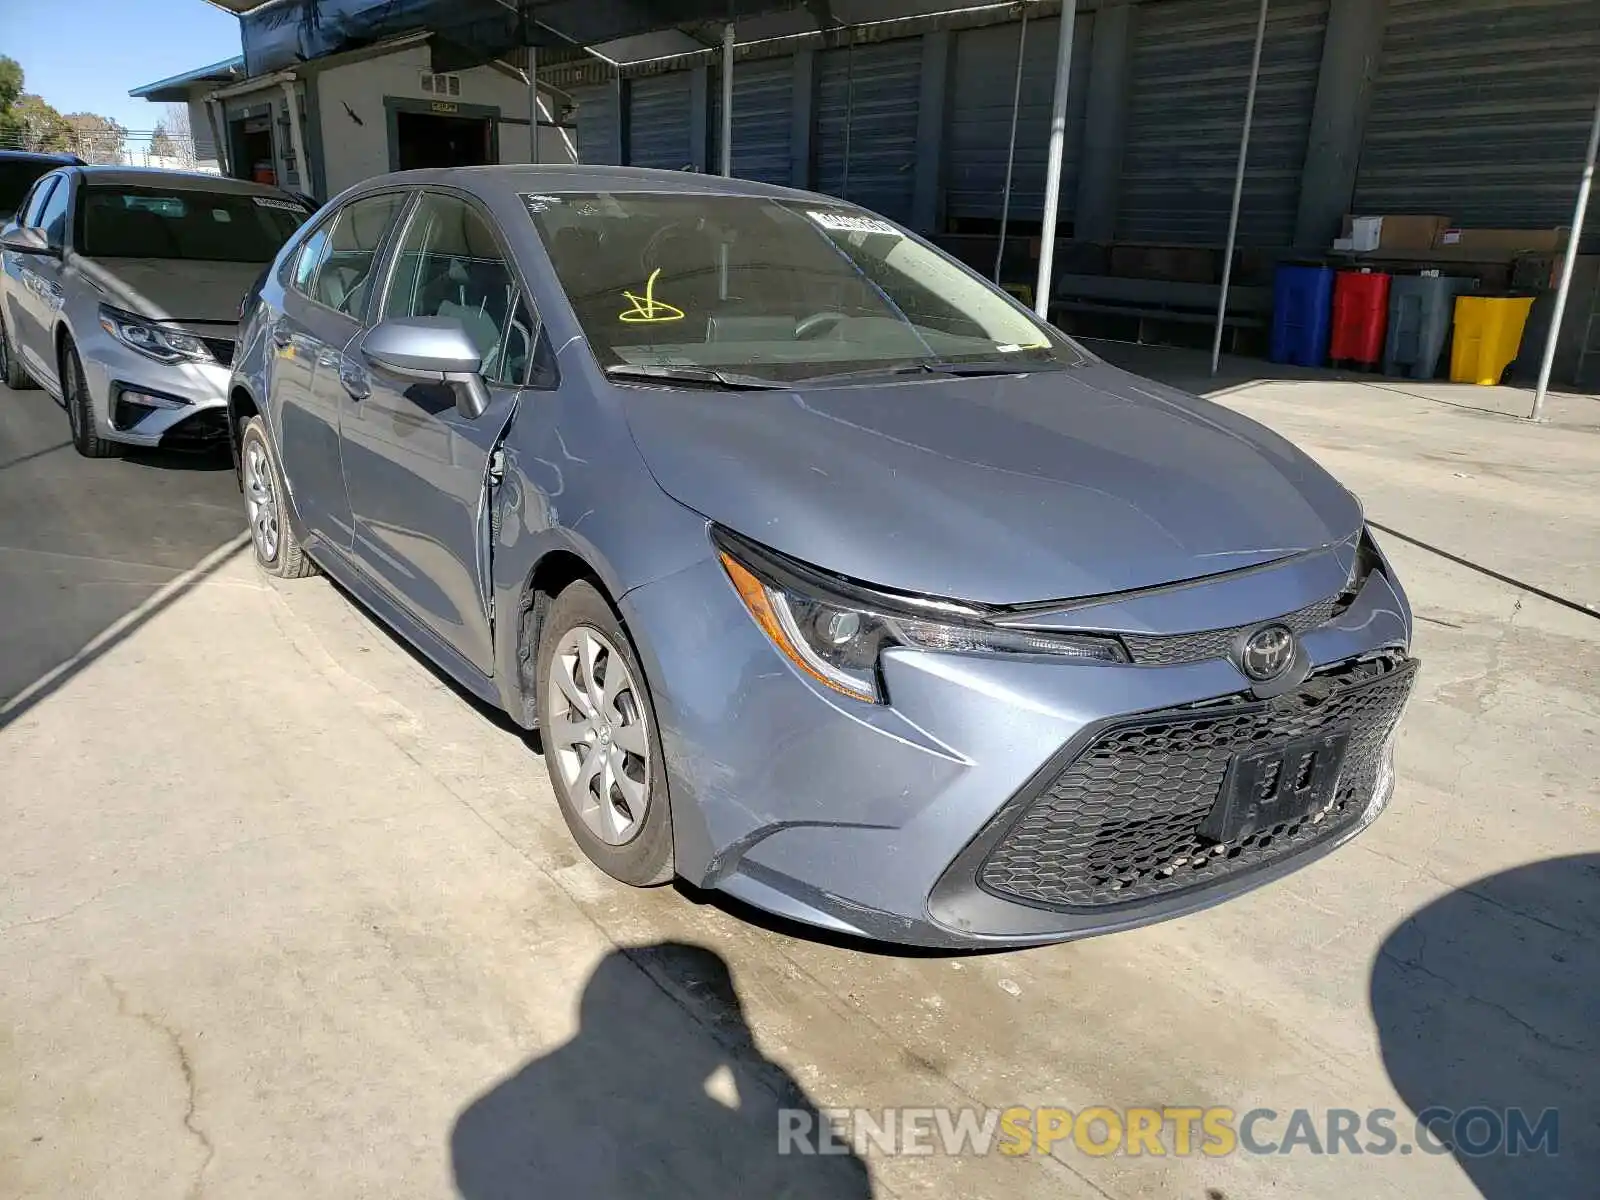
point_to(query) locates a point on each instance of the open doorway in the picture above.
(435, 140)
(251, 143)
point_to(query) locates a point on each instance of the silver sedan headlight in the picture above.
(151, 339)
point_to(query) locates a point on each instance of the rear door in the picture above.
(417, 469)
(324, 305)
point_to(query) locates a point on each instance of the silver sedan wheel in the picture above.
(598, 736)
(261, 500)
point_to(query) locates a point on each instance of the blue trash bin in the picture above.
(1302, 314)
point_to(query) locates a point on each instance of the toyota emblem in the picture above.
(1267, 653)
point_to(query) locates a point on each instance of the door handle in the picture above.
(280, 337)
(354, 379)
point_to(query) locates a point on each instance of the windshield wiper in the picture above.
(996, 366)
(700, 376)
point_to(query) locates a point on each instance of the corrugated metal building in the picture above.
(1474, 109)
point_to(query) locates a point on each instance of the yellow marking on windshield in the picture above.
(647, 310)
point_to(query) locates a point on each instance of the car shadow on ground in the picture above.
(1489, 999)
(92, 549)
(661, 1092)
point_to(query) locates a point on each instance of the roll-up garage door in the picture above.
(658, 122)
(981, 91)
(866, 130)
(763, 94)
(1190, 73)
(1481, 111)
(599, 139)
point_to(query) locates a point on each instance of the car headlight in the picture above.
(153, 340)
(836, 633)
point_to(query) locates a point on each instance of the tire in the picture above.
(272, 536)
(75, 398)
(633, 848)
(12, 373)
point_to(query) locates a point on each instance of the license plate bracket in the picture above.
(1276, 784)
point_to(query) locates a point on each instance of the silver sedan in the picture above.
(120, 294)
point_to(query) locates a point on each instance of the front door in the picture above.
(323, 309)
(37, 301)
(417, 469)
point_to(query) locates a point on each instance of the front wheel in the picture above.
(86, 440)
(277, 549)
(601, 745)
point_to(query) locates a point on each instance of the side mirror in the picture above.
(25, 241)
(431, 350)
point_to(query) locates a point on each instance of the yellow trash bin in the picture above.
(1488, 334)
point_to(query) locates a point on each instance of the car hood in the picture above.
(172, 290)
(998, 490)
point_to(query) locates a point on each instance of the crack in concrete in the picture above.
(185, 1067)
(1538, 1035)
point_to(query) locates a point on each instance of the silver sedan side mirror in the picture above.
(432, 350)
(25, 241)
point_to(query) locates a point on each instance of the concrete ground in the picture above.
(281, 914)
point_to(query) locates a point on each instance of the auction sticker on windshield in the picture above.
(846, 223)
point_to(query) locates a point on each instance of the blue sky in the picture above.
(84, 55)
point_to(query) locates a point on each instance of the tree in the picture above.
(41, 126)
(95, 138)
(161, 142)
(10, 92)
(10, 83)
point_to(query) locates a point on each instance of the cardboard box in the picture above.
(1393, 231)
(1504, 241)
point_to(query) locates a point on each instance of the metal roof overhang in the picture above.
(279, 33)
(176, 87)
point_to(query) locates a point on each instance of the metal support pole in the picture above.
(1238, 187)
(726, 131)
(1011, 146)
(1052, 166)
(533, 100)
(1579, 211)
(296, 143)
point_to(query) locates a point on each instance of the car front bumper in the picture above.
(194, 396)
(888, 821)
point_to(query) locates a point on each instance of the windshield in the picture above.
(774, 290)
(16, 177)
(143, 222)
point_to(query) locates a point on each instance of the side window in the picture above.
(450, 264)
(312, 251)
(36, 202)
(358, 230)
(53, 216)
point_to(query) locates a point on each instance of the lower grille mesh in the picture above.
(1121, 822)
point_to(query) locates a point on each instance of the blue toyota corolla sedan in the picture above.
(830, 577)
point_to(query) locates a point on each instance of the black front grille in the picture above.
(1166, 650)
(206, 428)
(221, 349)
(1121, 822)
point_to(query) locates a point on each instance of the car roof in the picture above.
(192, 181)
(44, 156)
(579, 177)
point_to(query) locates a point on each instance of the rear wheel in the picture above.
(601, 746)
(12, 373)
(75, 394)
(277, 549)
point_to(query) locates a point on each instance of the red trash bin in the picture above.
(1360, 317)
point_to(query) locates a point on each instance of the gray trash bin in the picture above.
(1420, 312)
